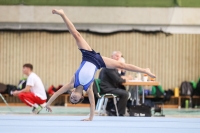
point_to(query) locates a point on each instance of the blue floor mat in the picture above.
(72, 124)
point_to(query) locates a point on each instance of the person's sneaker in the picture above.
(37, 110)
(33, 109)
(121, 115)
(110, 113)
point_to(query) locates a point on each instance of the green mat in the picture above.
(77, 111)
(56, 110)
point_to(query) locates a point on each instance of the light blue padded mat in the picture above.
(72, 124)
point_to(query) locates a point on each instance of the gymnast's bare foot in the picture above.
(59, 12)
(148, 71)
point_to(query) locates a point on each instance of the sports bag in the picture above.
(140, 111)
(186, 89)
(22, 84)
(157, 91)
(2, 88)
(196, 91)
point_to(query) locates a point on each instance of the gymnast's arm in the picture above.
(92, 103)
(58, 93)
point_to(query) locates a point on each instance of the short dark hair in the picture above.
(80, 101)
(79, 89)
(28, 65)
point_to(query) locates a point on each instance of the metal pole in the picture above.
(5, 102)
(142, 95)
(132, 95)
(137, 100)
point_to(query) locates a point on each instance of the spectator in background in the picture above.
(129, 77)
(33, 94)
(111, 82)
(122, 72)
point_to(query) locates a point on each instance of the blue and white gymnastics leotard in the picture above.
(91, 61)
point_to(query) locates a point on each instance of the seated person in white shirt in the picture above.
(33, 94)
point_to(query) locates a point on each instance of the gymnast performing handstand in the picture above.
(84, 76)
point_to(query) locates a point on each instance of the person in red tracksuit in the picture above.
(33, 94)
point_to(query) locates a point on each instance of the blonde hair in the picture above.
(116, 52)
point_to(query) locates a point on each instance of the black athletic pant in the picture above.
(123, 97)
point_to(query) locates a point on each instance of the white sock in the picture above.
(35, 105)
(43, 105)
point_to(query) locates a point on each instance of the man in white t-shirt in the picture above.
(33, 94)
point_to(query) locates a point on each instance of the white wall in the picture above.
(174, 20)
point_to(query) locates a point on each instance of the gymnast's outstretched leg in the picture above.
(110, 63)
(80, 41)
(82, 44)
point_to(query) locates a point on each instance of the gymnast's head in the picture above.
(77, 95)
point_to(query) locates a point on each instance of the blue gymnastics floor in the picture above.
(71, 124)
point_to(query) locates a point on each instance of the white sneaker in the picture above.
(37, 110)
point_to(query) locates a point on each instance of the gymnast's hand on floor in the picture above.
(148, 71)
(59, 12)
(48, 109)
(88, 119)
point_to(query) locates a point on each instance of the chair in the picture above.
(103, 99)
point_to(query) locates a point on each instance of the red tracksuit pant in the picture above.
(31, 98)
